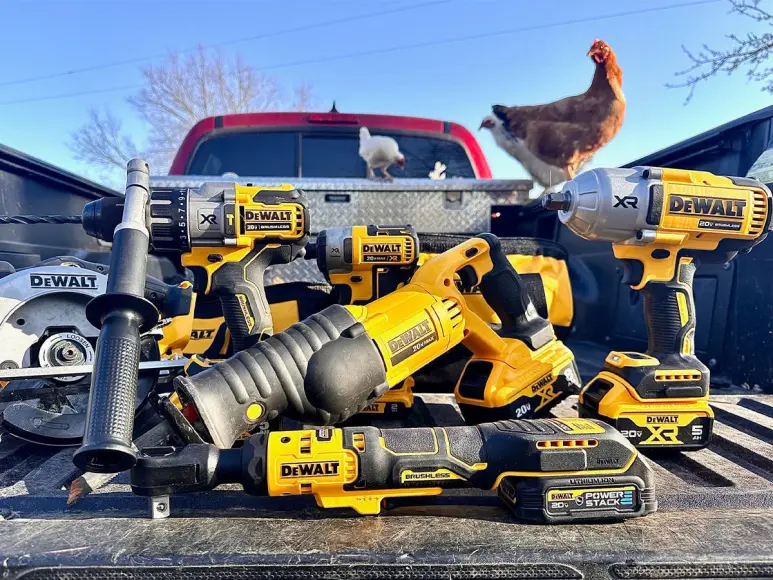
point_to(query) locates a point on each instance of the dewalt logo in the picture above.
(268, 215)
(707, 206)
(411, 341)
(85, 281)
(268, 220)
(202, 334)
(662, 419)
(541, 383)
(310, 469)
(382, 248)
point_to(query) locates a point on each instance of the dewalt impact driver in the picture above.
(545, 470)
(328, 367)
(661, 222)
(227, 234)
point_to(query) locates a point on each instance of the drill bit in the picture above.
(40, 219)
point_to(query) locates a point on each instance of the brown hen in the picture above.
(552, 141)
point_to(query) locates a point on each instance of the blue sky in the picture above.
(452, 81)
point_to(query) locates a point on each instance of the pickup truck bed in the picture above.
(715, 521)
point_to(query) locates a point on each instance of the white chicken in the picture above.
(439, 172)
(379, 152)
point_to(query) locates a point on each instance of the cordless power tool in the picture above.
(544, 470)
(330, 366)
(364, 263)
(661, 222)
(227, 234)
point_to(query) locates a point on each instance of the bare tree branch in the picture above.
(750, 52)
(177, 94)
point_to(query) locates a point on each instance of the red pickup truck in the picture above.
(322, 145)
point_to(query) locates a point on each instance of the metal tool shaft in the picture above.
(77, 370)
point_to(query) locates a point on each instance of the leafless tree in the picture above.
(748, 51)
(177, 94)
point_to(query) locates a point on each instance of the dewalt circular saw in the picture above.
(44, 331)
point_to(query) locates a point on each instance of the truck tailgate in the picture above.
(715, 520)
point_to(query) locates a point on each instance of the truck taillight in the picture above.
(333, 118)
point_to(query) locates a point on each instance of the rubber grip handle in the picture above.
(504, 291)
(171, 300)
(239, 285)
(669, 313)
(415, 457)
(110, 418)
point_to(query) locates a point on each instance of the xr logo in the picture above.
(209, 219)
(545, 394)
(662, 435)
(628, 201)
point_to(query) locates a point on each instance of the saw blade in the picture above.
(75, 370)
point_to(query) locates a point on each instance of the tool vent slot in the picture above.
(306, 444)
(299, 221)
(410, 251)
(454, 313)
(759, 213)
(358, 440)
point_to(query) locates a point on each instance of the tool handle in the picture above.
(239, 285)
(415, 457)
(669, 313)
(507, 295)
(121, 313)
(171, 300)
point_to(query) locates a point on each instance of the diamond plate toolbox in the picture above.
(460, 206)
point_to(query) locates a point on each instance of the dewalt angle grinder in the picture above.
(661, 223)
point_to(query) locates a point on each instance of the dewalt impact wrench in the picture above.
(227, 234)
(661, 222)
(545, 470)
(328, 367)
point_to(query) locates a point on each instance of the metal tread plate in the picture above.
(431, 206)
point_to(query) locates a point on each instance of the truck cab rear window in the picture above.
(283, 154)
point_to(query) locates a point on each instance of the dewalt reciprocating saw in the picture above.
(661, 222)
(545, 470)
(328, 367)
(364, 263)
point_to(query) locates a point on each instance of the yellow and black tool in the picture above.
(545, 470)
(227, 234)
(333, 364)
(661, 222)
(364, 263)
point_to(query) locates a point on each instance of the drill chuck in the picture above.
(557, 201)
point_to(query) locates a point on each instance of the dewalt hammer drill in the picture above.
(227, 234)
(661, 222)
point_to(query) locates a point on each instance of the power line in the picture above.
(488, 34)
(411, 46)
(262, 36)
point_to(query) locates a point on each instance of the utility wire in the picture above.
(409, 46)
(261, 36)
